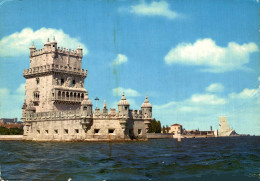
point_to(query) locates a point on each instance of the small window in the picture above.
(62, 81)
(38, 131)
(56, 131)
(85, 108)
(53, 45)
(76, 131)
(73, 82)
(96, 131)
(66, 131)
(111, 131)
(125, 107)
(46, 131)
(37, 80)
(139, 131)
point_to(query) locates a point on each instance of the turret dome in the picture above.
(32, 46)
(86, 101)
(146, 103)
(123, 101)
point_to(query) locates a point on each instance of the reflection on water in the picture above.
(151, 160)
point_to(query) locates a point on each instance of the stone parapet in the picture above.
(53, 115)
(59, 50)
(45, 69)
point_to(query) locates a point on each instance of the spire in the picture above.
(48, 40)
(123, 96)
(105, 104)
(79, 47)
(32, 46)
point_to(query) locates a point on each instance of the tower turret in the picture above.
(105, 108)
(86, 107)
(146, 109)
(47, 45)
(53, 44)
(80, 51)
(32, 49)
(123, 107)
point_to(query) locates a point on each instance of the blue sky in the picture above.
(196, 60)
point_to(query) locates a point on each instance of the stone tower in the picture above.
(55, 79)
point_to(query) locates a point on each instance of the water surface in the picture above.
(158, 159)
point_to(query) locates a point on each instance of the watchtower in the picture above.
(55, 79)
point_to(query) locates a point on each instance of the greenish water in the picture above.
(161, 159)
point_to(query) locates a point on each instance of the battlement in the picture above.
(53, 115)
(60, 50)
(42, 70)
(134, 114)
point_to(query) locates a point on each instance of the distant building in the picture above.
(10, 123)
(176, 129)
(8, 120)
(224, 129)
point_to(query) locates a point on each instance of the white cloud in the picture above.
(205, 52)
(120, 59)
(165, 106)
(18, 43)
(128, 92)
(154, 9)
(245, 94)
(216, 87)
(207, 99)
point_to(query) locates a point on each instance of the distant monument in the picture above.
(57, 106)
(224, 129)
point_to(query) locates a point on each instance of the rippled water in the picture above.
(160, 159)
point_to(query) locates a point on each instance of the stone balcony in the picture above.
(46, 69)
(71, 96)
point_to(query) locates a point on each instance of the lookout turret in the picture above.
(146, 109)
(123, 107)
(86, 106)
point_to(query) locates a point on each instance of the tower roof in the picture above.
(146, 103)
(48, 42)
(123, 101)
(86, 101)
(32, 46)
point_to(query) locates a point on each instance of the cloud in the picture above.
(165, 106)
(205, 52)
(11, 102)
(216, 87)
(18, 43)
(128, 92)
(120, 59)
(245, 94)
(154, 9)
(207, 99)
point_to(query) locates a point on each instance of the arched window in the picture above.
(59, 95)
(63, 95)
(71, 96)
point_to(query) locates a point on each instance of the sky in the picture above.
(195, 60)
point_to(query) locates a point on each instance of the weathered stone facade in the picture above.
(57, 106)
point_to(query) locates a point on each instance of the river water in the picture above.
(159, 159)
